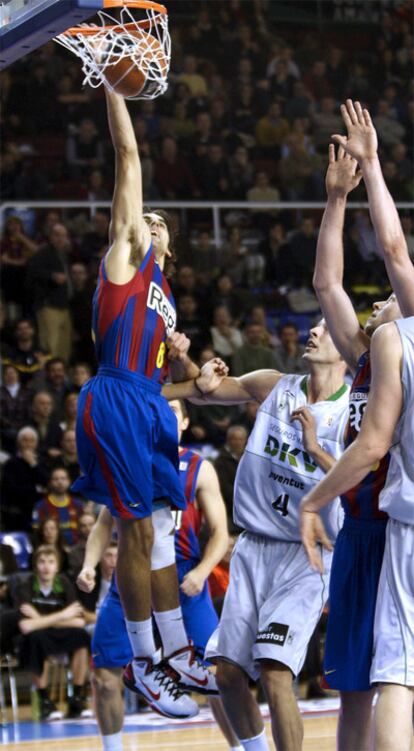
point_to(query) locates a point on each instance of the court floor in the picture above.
(150, 732)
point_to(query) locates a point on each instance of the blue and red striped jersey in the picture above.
(131, 321)
(188, 522)
(361, 501)
(66, 513)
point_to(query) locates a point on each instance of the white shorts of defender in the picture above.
(393, 660)
(272, 605)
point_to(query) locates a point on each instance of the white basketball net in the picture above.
(106, 45)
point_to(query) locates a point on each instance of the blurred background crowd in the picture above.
(252, 124)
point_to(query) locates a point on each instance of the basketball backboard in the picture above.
(27, 24)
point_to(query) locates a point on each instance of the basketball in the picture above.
(128, 75)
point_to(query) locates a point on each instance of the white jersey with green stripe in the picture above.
(276, 471)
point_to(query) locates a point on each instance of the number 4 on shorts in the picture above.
(281, 504)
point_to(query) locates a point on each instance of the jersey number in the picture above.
(178, 517)
(281, 504)
(356, 413)
(161, 355)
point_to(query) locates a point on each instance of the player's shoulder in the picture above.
(386, 339)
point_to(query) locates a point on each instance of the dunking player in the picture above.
(359, 547)
(126, 433)
(388, 424)
(274, 598)
(111, 649)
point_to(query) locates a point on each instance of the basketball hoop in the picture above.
(124, 49)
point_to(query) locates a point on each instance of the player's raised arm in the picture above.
(380, 419)
(342, 177)
(211, 503)
(129, 234)
(362, 144)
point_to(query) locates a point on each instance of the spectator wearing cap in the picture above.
(61, 505)
(24, 481)
(49, 282)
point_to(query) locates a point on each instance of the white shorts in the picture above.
(393, 660)
(272, 605)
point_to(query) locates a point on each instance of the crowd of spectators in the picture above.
(250, 124)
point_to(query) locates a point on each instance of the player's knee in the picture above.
(277, 679)
(230, 677)
(105, 684)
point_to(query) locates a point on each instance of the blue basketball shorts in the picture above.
(127, 442)
(110, 642)
(355, 573)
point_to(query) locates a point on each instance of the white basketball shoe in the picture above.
(157, 684)
(192, 674)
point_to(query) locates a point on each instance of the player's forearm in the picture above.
(183, 370)
(120, 125)
(384, 215)
(214, 551)
(71, 623)
(329, 262)
(324, 460)
(98, 540)
(180, 390)
(352, 467)
(27, 625)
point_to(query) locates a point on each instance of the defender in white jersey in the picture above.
(388, 424)
(275, 599)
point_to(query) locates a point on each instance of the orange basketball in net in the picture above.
(128, 75)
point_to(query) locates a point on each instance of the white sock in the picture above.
(172, 632)
(112, 742)
(235, 748)
(141, 637)
(258, 743)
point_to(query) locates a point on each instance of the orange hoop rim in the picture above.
(119, 28)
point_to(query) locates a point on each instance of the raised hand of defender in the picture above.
(343, 174)
(211, 375)
(362, 142)
(313, 535)
(86, 579)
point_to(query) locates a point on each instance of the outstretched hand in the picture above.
(211, 375)
(362, 142)
(343, 174)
